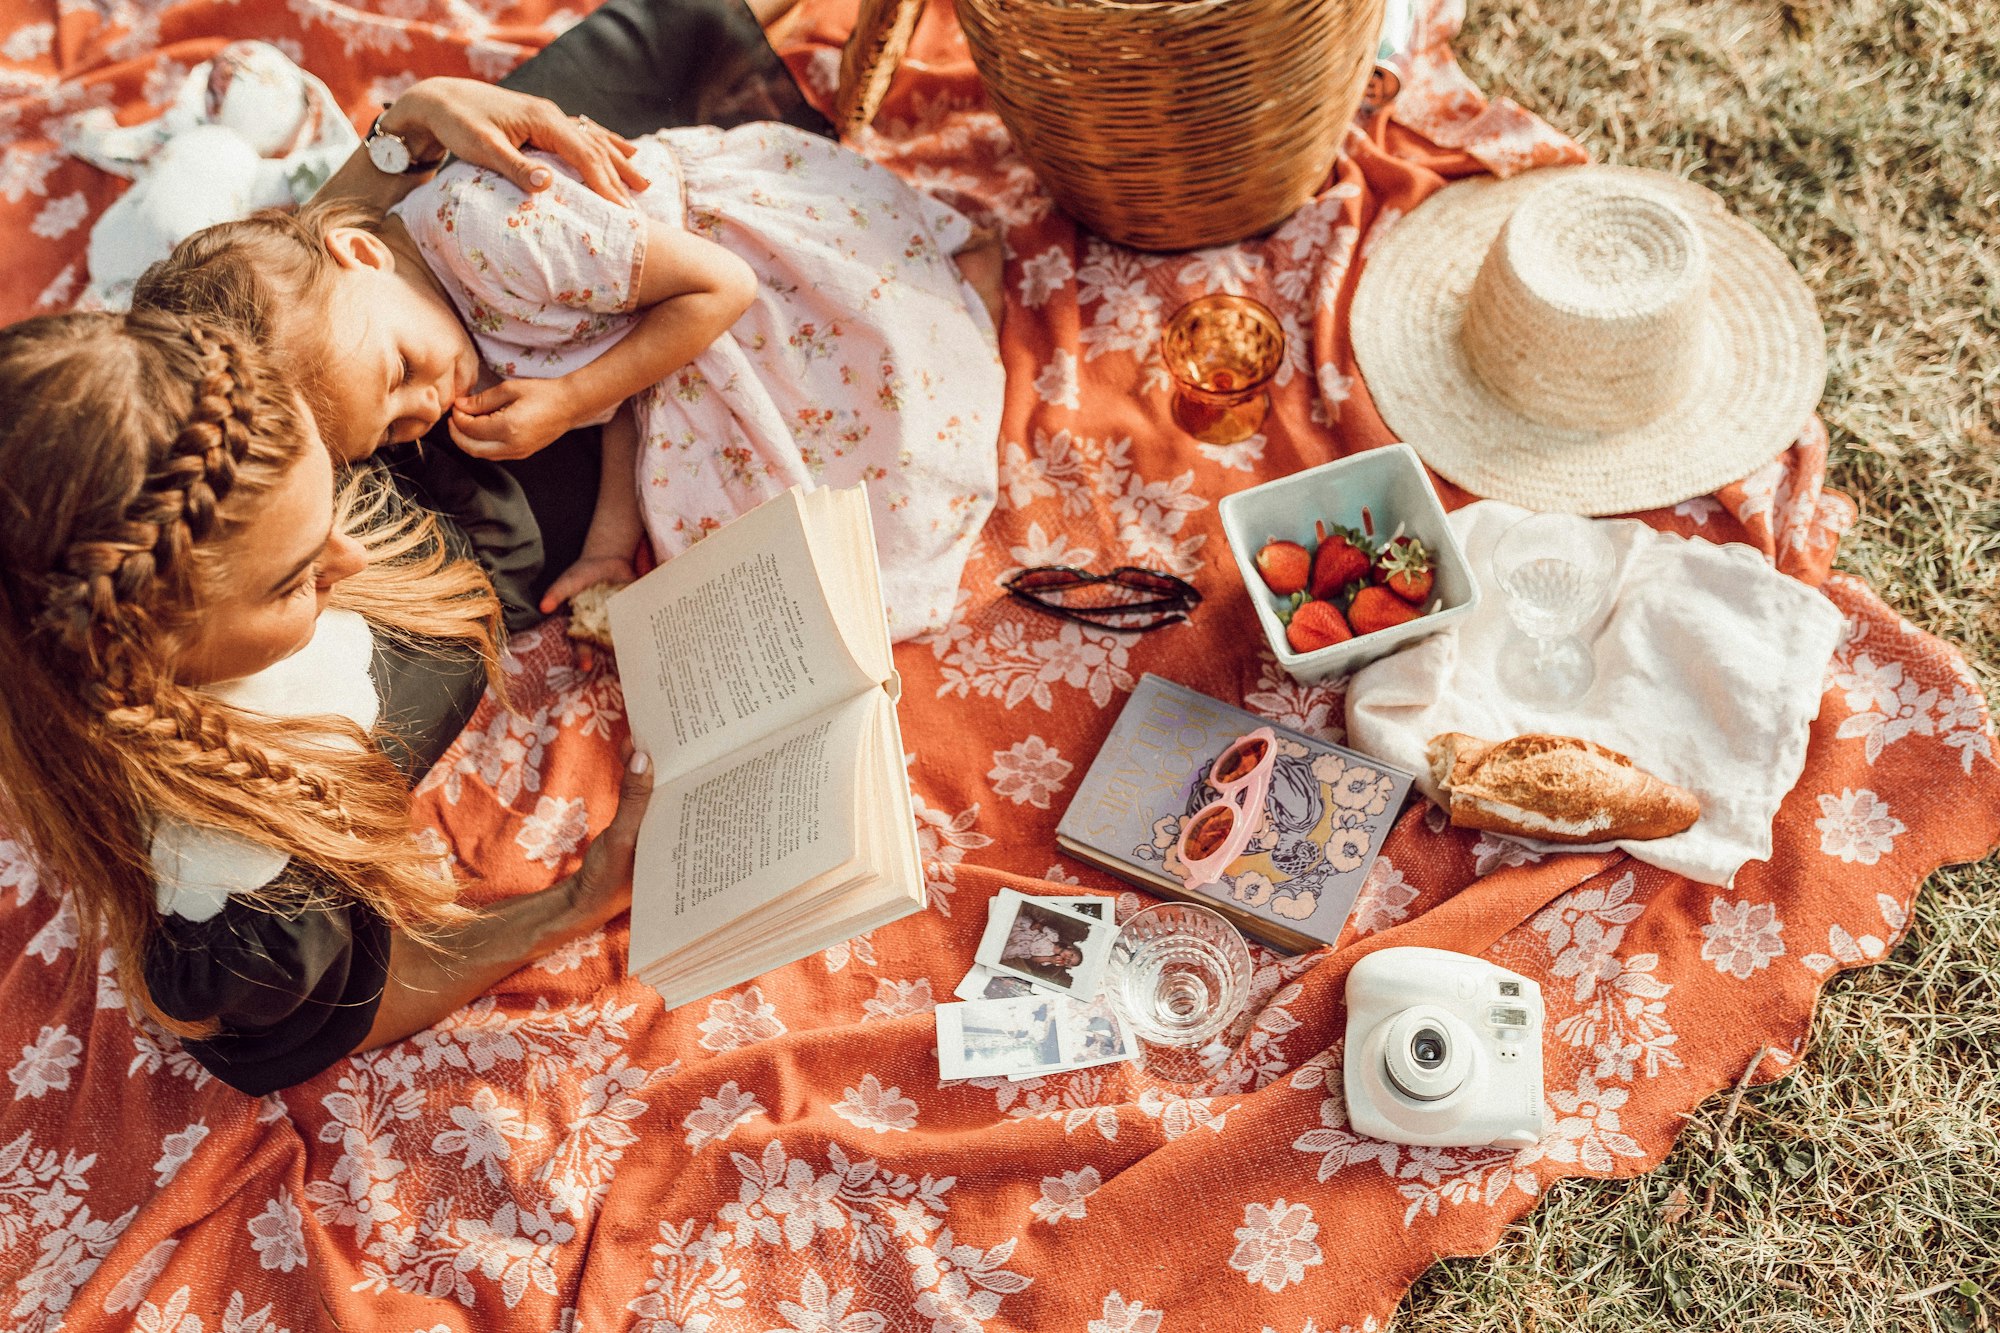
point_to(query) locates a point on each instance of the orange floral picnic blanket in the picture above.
(782, 1157)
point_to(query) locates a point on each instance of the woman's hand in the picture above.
(603, 887)
(489, 126)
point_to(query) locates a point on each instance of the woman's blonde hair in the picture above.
(132, 447)
(270, 275)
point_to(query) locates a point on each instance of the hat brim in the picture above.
(1762, 375)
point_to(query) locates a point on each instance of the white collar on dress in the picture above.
(196, 868)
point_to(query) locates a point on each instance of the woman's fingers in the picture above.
(489, 126)
(526, 173)
(598, 155)
(621, 150)
(603, 887)
(635, 792)
(612, 152)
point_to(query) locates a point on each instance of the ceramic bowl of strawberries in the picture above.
(1348, 561)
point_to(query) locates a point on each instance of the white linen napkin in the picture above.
(1710, 669)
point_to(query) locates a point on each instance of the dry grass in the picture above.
(1863, 1191)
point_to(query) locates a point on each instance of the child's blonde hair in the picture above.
(131, 449)
(270, 275)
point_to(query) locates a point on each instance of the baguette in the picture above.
(1555, 789)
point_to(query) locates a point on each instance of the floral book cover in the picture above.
(1328, 813)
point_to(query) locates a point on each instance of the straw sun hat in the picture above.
(1591, 339)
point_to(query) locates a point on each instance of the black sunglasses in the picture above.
(1162, 599)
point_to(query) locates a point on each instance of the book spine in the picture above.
(1278, 937)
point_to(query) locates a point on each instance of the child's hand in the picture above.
(591, 569)
(513, 419)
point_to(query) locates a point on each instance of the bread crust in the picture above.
(590, 615)
(1555, 789)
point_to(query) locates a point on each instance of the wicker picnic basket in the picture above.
(1173, 124)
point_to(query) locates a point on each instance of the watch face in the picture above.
(388, 154)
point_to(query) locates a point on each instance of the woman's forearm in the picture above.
(429, 980)
(358, 182)
(410, 118)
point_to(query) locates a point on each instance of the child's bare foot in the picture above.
(586, 573)
(983, 261)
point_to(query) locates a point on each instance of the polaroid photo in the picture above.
(1052, 946)
(996, 1038)
(1093, 1034)
(983, 983)
(1087, 1035)
(1099, 909)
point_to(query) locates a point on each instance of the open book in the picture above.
(758, 676)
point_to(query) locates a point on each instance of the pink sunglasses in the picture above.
(1216, 834)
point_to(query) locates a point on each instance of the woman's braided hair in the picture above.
(115, 579)
(132, 447)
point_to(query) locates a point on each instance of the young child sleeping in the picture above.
(773, 310)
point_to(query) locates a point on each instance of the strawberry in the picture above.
(1285, 567)
(1404, 568)
(1342, 558)
(1316, 625)
(1376, 608)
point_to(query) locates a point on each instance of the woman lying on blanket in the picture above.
(194, 628)
(773, 310)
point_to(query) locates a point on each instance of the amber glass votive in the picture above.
(1221, 352)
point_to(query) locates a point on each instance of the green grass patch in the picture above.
(1863, 1190)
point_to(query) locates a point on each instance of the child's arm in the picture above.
(616, 525)
(690, 289)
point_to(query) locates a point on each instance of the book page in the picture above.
(724, 840)
(844, 536)
(730, 641)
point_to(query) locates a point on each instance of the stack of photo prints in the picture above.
(1033, 1001)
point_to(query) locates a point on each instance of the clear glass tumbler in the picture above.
(1553, 571)
(1179, 974)
(1221, 352)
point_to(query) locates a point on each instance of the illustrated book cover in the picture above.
(1328, 813)
(758, 676)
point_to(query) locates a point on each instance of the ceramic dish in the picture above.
(1392, 484)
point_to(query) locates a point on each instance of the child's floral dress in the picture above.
(865, 357)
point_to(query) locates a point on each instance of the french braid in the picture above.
(105, 575)
(102, 600)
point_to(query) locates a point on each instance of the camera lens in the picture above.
(1426, 1053)
(1427, 1048)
